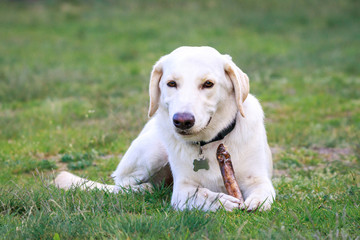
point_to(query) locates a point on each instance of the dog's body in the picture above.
(195, 94)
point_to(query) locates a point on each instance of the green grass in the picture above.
(74, 83)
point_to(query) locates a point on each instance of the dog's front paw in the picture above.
(212, 201)
(228, 202)
(257, 201)
(204, 199)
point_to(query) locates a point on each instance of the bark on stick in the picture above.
(227, 172)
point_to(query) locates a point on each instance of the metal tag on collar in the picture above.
(201, 162)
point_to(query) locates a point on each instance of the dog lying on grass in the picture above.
(199, 98)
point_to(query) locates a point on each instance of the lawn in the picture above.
(74, 94)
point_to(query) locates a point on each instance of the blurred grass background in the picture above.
(74, 80)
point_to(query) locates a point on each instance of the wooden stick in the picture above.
(227, 172)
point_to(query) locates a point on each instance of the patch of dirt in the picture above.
(276, 150)
(63, 166)
(332, 154)
(328, 154)
(280, 172)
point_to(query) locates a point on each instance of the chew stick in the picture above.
(227, 172)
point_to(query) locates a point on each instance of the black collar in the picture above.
(221, 134)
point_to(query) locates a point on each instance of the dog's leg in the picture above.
(66, 180)
(256, 185)
(187, 196)
(145, 157)
(258, 193)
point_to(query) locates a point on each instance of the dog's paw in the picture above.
(204, 199)
(228, 202)
(257, 202)
(213, 201)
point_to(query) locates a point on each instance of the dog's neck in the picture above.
(221, 135)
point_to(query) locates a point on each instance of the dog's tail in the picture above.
(66, 180)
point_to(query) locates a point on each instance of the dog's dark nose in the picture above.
(184, 120)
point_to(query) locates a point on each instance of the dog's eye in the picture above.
(208, 84)
(172, 84)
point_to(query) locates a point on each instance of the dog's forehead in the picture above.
(195, 51)
(197, 60)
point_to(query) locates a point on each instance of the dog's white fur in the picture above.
(214, 108)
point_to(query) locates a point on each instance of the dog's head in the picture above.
(200, 89)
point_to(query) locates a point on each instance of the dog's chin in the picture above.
(185, 133)
(190, 135)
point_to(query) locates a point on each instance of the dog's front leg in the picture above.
(145, 157)
(188, 196)
(259, 193)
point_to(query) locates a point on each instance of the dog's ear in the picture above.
(239, 80)
(154, 88)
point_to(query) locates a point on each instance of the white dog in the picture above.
(198, 99)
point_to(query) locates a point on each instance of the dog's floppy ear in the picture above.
(154, 88)
(239, 80)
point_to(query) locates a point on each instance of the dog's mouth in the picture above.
(208, 122)
(190, 132)
(184, 133)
